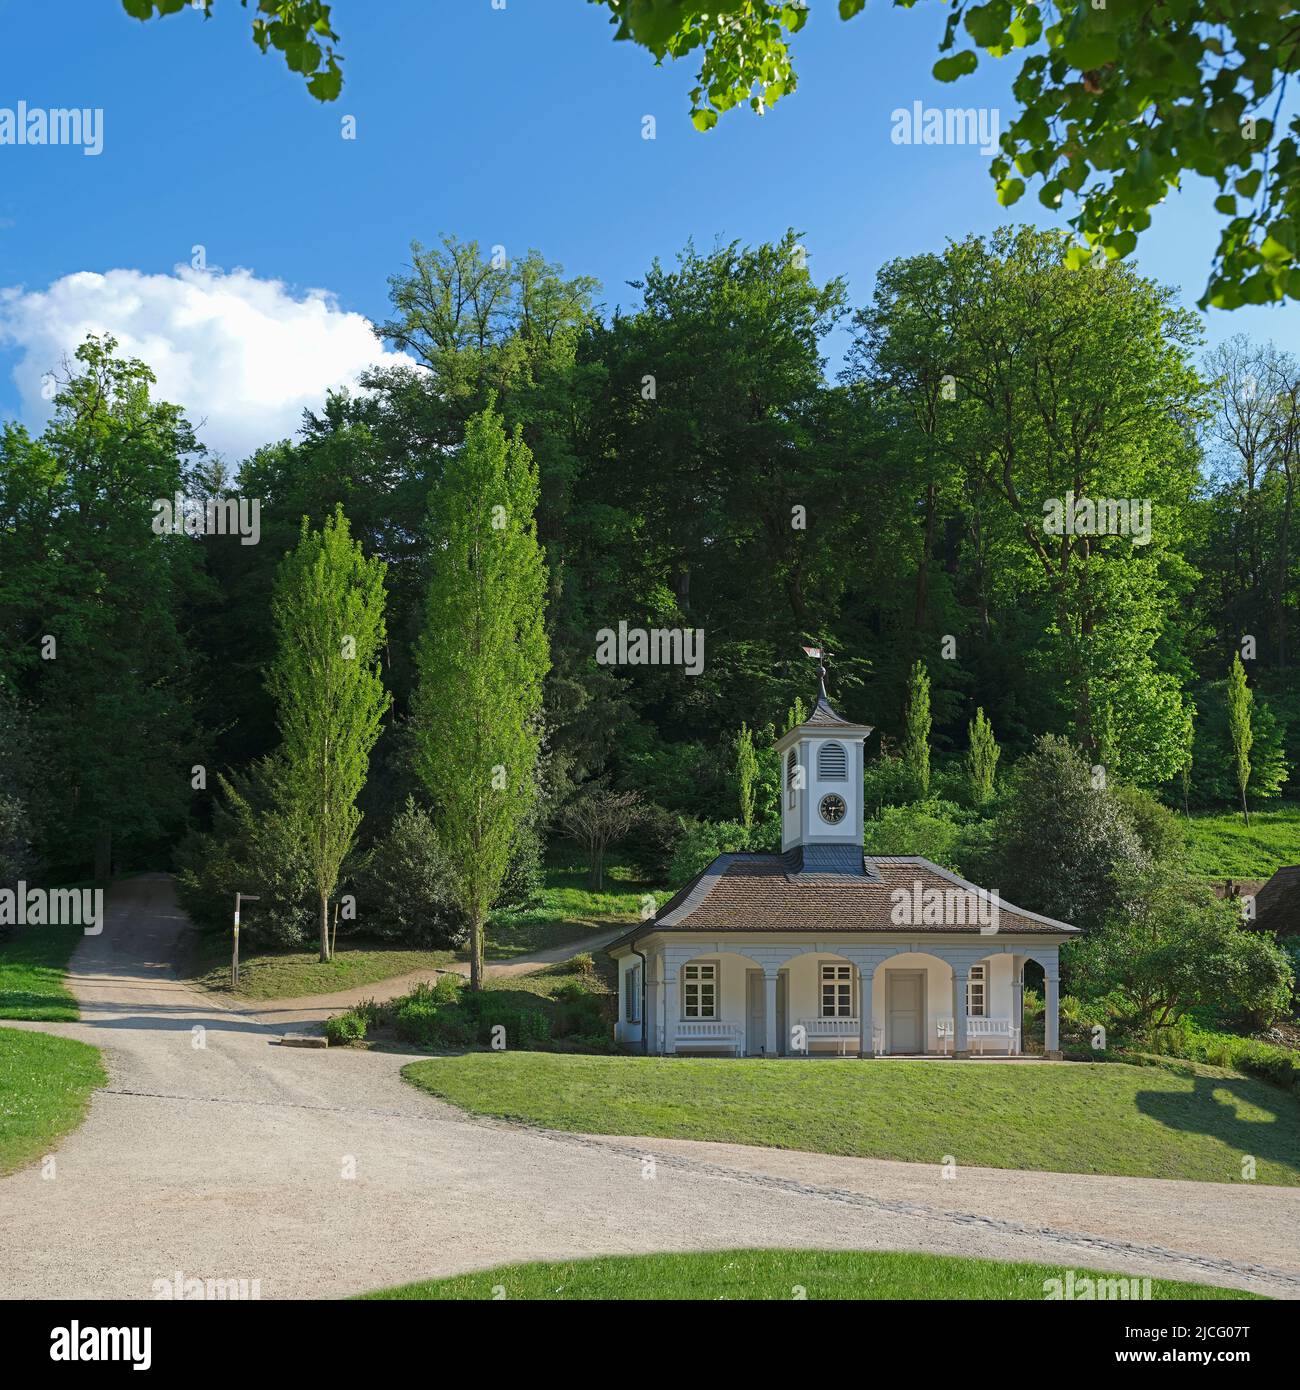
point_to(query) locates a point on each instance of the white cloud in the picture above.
(243, 356)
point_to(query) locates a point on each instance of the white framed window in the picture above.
(792, 775)
(836, 990)
(700, 990)
(632, 995)
(832, 763)
(977, 997)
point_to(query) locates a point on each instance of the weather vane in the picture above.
(820, 657)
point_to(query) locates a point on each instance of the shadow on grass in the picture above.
(1276, 1139)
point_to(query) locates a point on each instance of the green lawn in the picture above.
(1222, 847)
(774, 1274)
(45, 1086)
(1180, 1120)
(33, 963)
(567, 913)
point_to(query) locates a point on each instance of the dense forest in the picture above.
(1032, 480)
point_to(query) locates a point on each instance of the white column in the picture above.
(866, 981)
(769, 1010)
(960, 975)
(1017, 998)
(670, 1006)
(1052, 1015)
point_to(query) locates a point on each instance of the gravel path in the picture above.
(216, 1153)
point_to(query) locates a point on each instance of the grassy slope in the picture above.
(1221, 846)
(567, 913)
(45, 1085)
(1177, 1121)
(33, 962)
(772, 1274)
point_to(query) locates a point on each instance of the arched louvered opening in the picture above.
(832, 763)
(791, 774)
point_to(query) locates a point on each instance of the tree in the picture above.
(1062, 842)
(598, 819)
(916, 735)
(300, 29)
(982, 760)
(1240, 698)
(328, 611)
(481, 660)
(1180, 949)
(93, 629)
(746, 774)
(1114, 109)
(1064, 392)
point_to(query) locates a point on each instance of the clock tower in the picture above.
(821, 788)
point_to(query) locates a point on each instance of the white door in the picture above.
(906, 1009)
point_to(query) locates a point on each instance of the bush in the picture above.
(1179, 949)
(1188, 1039)
(345, 1028)
(652, 848)
(578, 1013)
(253, 846)
(404, 888)
(701, 843)
(525, 1028)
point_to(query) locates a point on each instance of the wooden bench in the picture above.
(711, 1032)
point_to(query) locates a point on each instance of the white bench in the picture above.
(846, 1031)
(712, 1032)
(977, 1029)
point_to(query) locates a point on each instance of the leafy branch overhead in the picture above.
(300, 29)
(1116, 103)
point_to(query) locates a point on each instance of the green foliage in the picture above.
(328, 611)
(404, 889)
(929, 828)
(345, 1028)
(107, 684)
(1178, 949)
(482, 658)
(253, 847)
(298, 29)
(746, 774)
(1215, 769)
(700, 844)
(1239, 700)
(1186, 1038)
(1204, 96)
(1062, 843)
(916, 736)
(982, 760)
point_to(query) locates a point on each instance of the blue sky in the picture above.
(519, 126)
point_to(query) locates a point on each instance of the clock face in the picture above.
(833, 809)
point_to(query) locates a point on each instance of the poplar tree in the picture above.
(481, 661)
(746, 774)
(916, 736)
(328, 610)
(982, 760)
(1240, 699)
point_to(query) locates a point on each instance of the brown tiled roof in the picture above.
(778, 893)
(1277, 904)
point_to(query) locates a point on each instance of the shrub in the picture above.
(1188, 1039)
(447, 988)
(345, 1028)
(652, 848)
(404, 890)
(253, 846)
(416, 1021)
(701, 843)
(1179, 949)
(578, 1012)
(525, 1028)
